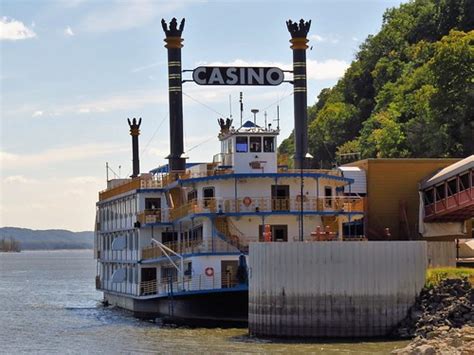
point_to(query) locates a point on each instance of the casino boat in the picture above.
(173, 242)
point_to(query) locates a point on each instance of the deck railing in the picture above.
(149, 182)
(265, 204)
(190, 247)
(198, 282)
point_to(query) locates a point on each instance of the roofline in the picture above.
(264, 175)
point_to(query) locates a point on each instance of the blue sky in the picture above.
(71, 72)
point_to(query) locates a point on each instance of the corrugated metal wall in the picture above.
(441, 254)
(333, 289)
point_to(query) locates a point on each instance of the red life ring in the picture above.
(247, 201)
(209, 271)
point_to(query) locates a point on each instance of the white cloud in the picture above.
(37, 113)
(327, 69)
(317, 38)
(13, 30)
(148, 66)
(320, 39)
(58, 155)
(84, 180)
(84, 110)
(68, 31)
(19, 179)
(125, 15)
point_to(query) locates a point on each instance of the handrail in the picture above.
(266, 204)
(198, 282)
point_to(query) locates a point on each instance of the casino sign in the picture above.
(259, 76)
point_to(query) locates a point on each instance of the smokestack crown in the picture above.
(298, 30)
(173, 30)
(134, 126)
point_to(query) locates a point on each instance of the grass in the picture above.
(435, 275)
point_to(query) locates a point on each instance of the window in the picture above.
(152, 203)
(429, 197)
(440, 192)
(268, 144)
(328, 196)
(464, 181)
(208, 195)
(241, 145)
(452, 187)
(167, 237)
(192, 195)
(255, 144)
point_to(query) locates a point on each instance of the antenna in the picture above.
(278, 117)
(107, 171)
(241, 108)
(230, 105)
(120, 172)
(254, 111)
(265, 114)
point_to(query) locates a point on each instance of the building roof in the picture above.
(448, 172)
(163, 169)
(358, 175)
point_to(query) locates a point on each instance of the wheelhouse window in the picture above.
(268, 144)
(241, 144)
(255, 144)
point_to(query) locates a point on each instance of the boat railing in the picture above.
(267, 204)
(253, 204)
(199, 282)
(211, 245)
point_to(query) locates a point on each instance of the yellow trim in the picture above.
(299, 77)
(299, 65)
(299, 43)
(173, 42)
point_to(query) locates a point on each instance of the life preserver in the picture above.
(247, 201)
(209, 271)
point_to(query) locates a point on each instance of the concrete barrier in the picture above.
(333, 289)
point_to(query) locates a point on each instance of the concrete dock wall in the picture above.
(333, 289)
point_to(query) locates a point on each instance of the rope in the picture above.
(203, 104)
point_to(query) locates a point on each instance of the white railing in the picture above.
(199, 282)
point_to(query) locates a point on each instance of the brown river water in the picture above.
(49, 305)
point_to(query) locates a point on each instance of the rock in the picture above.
(426, 350)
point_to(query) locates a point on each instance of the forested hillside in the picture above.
(48, 239)
(408, 93)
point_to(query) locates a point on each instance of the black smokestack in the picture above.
(135, 132)
(174, 44)
(298, 32)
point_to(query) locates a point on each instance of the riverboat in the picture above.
(174, 242)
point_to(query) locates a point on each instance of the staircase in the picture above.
(223, 232)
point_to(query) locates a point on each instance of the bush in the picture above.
(434, 276)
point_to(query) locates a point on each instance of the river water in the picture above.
(49, 305)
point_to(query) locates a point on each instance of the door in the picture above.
(229, 273)
(208, 196)
(280, 197)
(279, 233)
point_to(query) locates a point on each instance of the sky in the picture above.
(73, 71)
